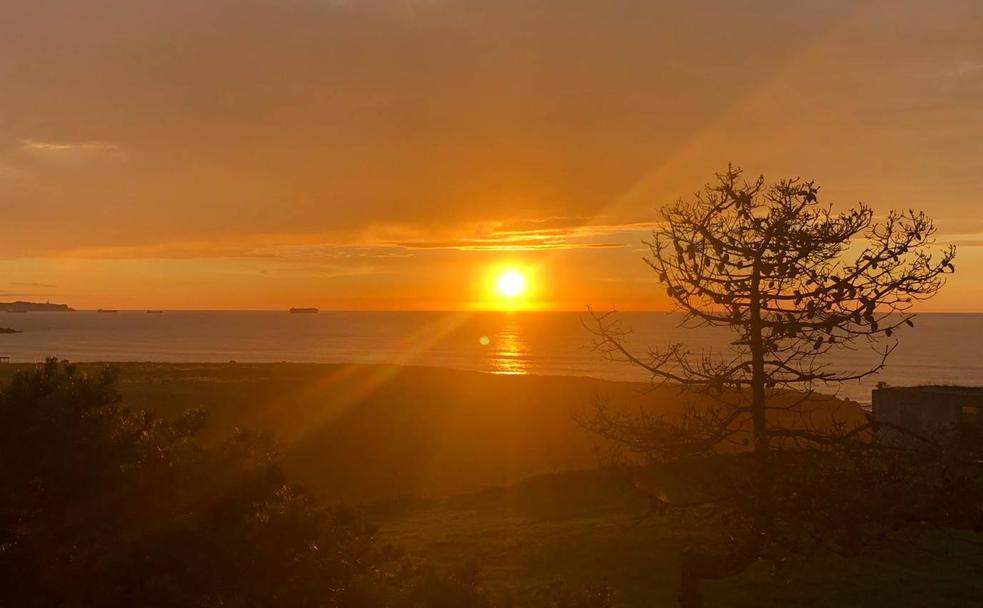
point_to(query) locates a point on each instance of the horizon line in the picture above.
(444, 310)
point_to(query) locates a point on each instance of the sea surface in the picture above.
(940, 349)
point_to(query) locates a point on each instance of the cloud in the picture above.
(338, 252)
(285, 248)
(20, 294)
(391, 242)
(542, 223)
(70, 153)
(48, 146)
(967, 242)
(963, 68)
(511, 245)
(540, 235)
(32, 284)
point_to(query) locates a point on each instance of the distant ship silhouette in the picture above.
(107, 310)
(303, 310)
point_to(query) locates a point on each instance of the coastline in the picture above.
(553, 344)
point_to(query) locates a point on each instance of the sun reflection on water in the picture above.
(510, 354)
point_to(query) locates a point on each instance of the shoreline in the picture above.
(936, 352)
(409, 367)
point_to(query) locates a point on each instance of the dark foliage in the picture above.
(101, 505)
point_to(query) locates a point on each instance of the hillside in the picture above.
(368, 432)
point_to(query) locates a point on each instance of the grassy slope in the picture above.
(590, 527)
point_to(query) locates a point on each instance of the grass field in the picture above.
(591, 527)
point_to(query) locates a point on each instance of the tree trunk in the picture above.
(762, 465)
(690, 594)
(695, 568)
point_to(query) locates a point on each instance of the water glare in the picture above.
(511, 353)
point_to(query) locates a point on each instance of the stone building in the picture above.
(927, 411)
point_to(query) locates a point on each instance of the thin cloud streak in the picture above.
(32, 145)
(603, 236)
(529, 245)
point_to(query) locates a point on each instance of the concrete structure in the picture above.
(927, 411)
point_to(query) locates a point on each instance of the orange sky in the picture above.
(392, 153)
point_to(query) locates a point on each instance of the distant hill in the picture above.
(21, 306)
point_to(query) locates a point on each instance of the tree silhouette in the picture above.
(796, 282)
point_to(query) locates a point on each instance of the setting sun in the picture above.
(511, 284)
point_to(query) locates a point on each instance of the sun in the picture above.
(511, 284)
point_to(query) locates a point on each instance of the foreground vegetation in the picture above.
(552, 540)
(103, 505)
(595, 528)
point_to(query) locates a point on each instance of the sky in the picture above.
(398, 154)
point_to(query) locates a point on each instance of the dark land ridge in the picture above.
(22, 306)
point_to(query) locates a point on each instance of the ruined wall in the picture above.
(926, 411)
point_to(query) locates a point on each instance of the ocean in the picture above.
(940, 349)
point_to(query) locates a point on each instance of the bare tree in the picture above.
(795, 281)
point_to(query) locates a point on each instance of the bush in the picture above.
(104, 505)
